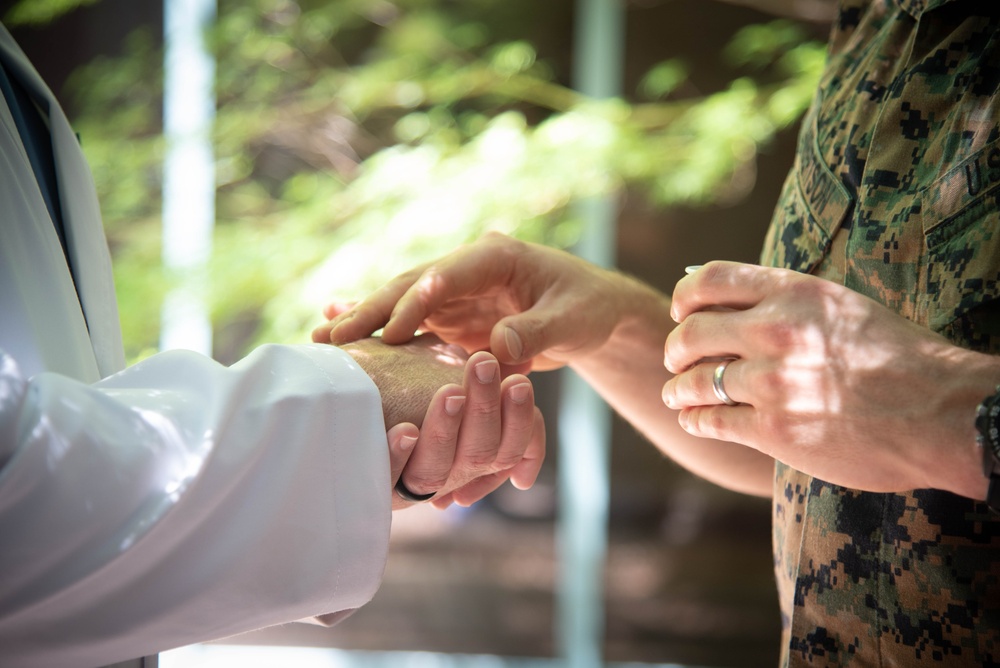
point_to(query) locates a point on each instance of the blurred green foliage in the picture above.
(356, 138)
(35, 12)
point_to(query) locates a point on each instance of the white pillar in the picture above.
(188, 172)
(584, 418)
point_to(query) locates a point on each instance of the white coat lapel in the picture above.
(86, 244)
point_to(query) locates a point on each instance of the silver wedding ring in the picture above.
(720, 390)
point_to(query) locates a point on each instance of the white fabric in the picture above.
(175, 501)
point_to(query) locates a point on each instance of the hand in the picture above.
(408, 376)
(534, 307)
(830, 382)
(539, 308)
(472, 439)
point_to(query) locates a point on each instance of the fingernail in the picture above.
(407, 442)
(487, 371)
(520, 393)
(513, 341)
(667, 396)
(691, 268)
(453, 405)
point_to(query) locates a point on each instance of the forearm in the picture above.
(628, 373)
(184, 501)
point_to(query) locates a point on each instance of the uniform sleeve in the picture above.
(181, 501)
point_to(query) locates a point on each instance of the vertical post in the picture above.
(584, 418)
(188, 172)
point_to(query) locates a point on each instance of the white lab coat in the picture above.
(177, 500)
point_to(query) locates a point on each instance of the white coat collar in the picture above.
(86, 244)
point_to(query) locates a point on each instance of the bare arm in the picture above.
(628, 372)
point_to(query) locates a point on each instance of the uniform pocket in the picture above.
(810, 210)
(961, 222)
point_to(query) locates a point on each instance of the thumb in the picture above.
(402, 438)
(517, 339)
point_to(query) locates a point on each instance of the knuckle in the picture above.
(506, 460)
(404, 280)
(773, 425)
(770, 384)
(800, 286)
(483, 409)
(713, 421)
(779, 334)
(479, 460)
(713, 272)
(439, 440)
(507, 246)
(680, 340)
(424, 482)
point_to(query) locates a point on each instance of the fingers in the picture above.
(696, 386)
(728, 284)
(521, 451)
(707, 335)
(365, 318)
(532, 333)
(477, 269)
(480, 436)
(331, 312)
(566, 320)
(429, 466)
(520, 301)
(476, 490)
(401, 438)
(501, 436)
(524, 474)
(473, 431)
(725, 423)
(517, 422)
(405, 302)
(497, 436)
(334, 309)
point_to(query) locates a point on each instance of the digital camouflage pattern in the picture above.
(895, 192)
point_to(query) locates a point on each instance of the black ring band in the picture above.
(406, 495)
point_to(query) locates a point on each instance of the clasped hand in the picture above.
(828, 381)
(455, 427)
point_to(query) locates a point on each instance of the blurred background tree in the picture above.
(356, 138)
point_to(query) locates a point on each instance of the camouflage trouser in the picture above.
(895, 193)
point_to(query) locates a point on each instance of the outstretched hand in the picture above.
(531, 306)
(828, 381)
(538, 308)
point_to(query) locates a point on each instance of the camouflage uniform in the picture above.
(895, 193)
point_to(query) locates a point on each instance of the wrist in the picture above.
(975, 431)
(633, 350)
(641, 317)
(988, 443)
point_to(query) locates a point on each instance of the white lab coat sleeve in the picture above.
(179, 501)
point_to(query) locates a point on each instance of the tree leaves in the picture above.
(357, 138)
